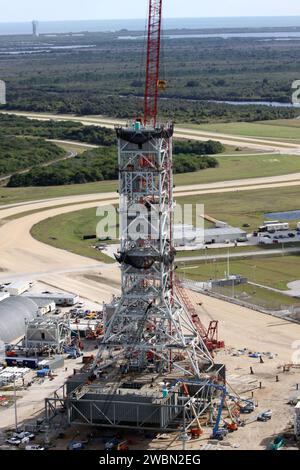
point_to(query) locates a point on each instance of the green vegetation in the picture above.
(240, 167)
(282, 129)
(65, 130)
(101, 164)
(66, 232)
(226, 206)
(93, 165)
(259, 296)
(16, 195)
(190, 147)
(276, 271)
(99, 81)
(21, 153)
(229, 168)
(240, 207)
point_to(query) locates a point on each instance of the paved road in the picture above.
(247, 184)
(73, 143)
(246, 254)
(261, 144)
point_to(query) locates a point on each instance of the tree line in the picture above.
(101, 164)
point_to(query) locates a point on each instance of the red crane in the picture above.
(210, 334)
(153, 84)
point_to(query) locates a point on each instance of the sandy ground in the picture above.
(31, 403)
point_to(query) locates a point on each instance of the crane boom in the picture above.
(153, 61)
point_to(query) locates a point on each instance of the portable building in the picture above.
(18, 287)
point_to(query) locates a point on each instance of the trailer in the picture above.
(274, 227)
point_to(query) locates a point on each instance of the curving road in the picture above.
(260, 144)
(23, 256)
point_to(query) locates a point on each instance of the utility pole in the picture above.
(15, 401)
(228, 263)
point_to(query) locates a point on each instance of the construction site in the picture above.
(162, 367)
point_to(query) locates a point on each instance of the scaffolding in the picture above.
(47, 334)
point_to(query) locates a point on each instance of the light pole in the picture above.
(228, 263)
(254, 277)
(15, 400)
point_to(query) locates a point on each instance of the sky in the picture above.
(46, 10)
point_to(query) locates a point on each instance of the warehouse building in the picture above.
(187, 235)
(63, 299)
(224, 235)
(14, 311)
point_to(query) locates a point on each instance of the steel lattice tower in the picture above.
(149, 326)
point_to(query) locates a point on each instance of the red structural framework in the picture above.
(153, 62)
(209, 335)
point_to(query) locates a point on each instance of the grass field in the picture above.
(240, 207)
(259, 296)
(15, 195)
(248, 207)
(66, 231)
(240, 167)
(281, 129)
(274, 272)
(230, 168)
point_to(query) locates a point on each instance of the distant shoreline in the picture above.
(138, 25)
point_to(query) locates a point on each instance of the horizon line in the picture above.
(142, 18)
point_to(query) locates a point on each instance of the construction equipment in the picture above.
(153, 83)
(210, 334)
(218, 432)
